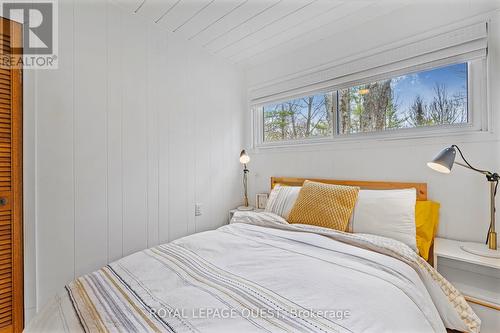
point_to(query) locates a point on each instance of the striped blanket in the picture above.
(261, 274)
(114, 298)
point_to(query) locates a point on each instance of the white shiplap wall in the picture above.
(121, 141)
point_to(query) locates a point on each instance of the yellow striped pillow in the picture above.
(324, 205)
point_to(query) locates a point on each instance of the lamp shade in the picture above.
(443, 162)
(244, 158)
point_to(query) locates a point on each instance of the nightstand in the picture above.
(477, 278)
(232, 211)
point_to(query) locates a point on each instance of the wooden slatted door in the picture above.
(11, 244)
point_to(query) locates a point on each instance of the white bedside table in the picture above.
(478, 278)
(232, 211)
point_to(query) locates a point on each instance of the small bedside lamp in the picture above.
(244, 159)
(443, 162)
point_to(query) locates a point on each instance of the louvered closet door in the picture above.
(11, 258)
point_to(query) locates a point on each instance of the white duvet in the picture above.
(261, 274)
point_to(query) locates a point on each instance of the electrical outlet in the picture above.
(198, 209)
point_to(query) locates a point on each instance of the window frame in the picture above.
(478, 109)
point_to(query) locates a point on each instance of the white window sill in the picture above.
(400, 137)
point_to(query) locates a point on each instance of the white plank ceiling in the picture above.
(243, 31)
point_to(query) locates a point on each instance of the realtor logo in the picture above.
(39, 19)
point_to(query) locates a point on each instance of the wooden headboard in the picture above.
(369, 185)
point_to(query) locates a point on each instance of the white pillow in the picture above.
(282, 199)
(388, 213)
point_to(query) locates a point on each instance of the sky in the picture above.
(407, 87)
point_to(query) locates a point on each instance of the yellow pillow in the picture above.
(324, 205)
(426, 221)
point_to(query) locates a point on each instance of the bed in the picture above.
(260, 273)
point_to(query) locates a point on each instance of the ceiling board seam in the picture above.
(299, 36)
(217, 20)
(194, 15)
(264, 26)
(240, 51)
(167, 11)
(140, 6)
(240, 24)
(373, 6)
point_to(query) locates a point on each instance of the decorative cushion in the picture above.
(426, 221)
(387, 213)
(324, 205)
(282, 199)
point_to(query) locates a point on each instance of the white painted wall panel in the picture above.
(190, 139)
(29, 193)
(134, 67)
(178, 120)
(54, 167)
(203, 178)
(90, 137)
(114, 122)
(155, 100)
(218, 132)
(163, 162)
(117, 134)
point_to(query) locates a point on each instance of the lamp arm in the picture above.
(484, 172)
(468, 165)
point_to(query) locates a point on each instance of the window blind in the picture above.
(464, 44)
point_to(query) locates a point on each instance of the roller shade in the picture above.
(464, 44)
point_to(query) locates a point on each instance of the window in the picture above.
(309, 116)
(433, 97)
(427, 98)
